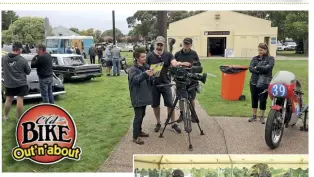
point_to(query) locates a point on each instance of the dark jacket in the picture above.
(92, 51)
(43, 64)
(15, 68)
(262, 74)
(139, 86)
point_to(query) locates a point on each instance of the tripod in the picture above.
(183, 96)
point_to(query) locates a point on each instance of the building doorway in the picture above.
(266, 40)
(216, 46)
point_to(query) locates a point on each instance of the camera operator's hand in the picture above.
(149, 72)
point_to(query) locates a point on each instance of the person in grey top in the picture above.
(116, 60)
(15, 70)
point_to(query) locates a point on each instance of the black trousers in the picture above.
(138, 120)
(92, 59)
(255, 97)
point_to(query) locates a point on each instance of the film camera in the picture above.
(186, 79)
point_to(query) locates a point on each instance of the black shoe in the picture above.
(138, 141)
(114, 74)
(157, 128)
(108, 74)
(253, 118)
(118, 75)
(176, 128)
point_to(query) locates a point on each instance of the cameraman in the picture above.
(187, 57)
(158, 55)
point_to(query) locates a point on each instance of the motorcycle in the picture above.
(286, 109)
(123, 64)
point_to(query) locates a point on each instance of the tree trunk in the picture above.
(306, 47)
(162, 26)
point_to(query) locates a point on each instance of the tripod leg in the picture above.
(190, 144)
(196, 117)
(169, 116)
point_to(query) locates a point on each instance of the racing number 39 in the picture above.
(279, 90)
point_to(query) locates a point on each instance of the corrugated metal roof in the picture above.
(63, 31)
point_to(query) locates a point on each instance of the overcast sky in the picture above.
(99, 20)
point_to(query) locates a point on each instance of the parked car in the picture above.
(72, 67)
(33, 83)
(289, 46)
(126, 48)
(279, 47)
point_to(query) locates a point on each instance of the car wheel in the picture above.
(61, 77)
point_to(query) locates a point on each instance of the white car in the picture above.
(127, 48)
(289, 46)
(280, 47)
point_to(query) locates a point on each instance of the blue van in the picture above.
(60, 44)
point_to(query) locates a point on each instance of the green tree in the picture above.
(145, 22)
(75, 30)
(25, 29)
(153, 173)
(297, 27)
(29, 39)
(8, 18)
(109, 33)
(97, 36)
(88, 32)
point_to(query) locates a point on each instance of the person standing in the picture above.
(116, 56)
(92, 54)
(139, 86)
(187, 57)
(15, 70)
(108, 59)
(77, 51)
(99, 54)
(43, 63)
(261, 67)
(159, 56)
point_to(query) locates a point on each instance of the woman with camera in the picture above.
(261, 68)
(140, 92)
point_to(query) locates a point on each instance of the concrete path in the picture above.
(223, 135)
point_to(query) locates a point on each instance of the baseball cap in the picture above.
(160, 39)
(17, 45)
(187, 40)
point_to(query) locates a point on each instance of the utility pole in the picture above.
(114, 28)
(162, 26)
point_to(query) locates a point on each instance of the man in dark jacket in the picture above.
(43, 63)
(15, 68)
(92, 54)
(139, 85)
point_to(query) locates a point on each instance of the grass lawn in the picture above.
(210, 97)
(290, 54)
(100, 109)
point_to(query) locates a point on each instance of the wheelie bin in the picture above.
(233, 77)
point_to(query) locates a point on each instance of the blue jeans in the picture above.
(46, 90)
(116, 65)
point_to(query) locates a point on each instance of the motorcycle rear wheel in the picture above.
(273, 129)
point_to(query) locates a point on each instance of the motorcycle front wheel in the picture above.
(274, 129)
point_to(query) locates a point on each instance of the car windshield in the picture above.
(73, 61)
(52, 43)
